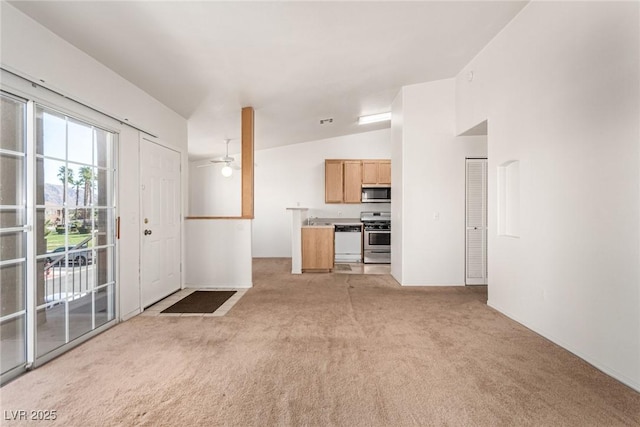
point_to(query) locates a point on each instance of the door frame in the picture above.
(154, 140)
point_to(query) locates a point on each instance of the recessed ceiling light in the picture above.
(374, 118)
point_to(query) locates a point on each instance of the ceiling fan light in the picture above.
(374, 118)
(226, 171)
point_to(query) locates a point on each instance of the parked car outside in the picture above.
(83, 257)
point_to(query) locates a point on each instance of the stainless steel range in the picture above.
(377, 237)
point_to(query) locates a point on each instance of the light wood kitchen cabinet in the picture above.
(352, 181)
(333, 181)
(384, 172)
(317, 248)
(375, 172)
(342, 181)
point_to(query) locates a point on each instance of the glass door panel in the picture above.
(75, 225)
(12, 233)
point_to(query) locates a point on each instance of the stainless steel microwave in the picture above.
(376, 194)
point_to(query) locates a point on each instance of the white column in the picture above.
(298, 216)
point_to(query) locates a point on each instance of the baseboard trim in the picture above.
(590, 360)
(130, 315)
(436, 285)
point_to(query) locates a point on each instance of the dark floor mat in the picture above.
(200, 302)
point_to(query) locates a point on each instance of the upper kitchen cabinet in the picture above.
(352, 181)
(342, 181)
(333, 181)
(376, 172)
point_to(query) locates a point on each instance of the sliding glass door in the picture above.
(57, 218)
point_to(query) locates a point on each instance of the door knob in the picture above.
(147, 232)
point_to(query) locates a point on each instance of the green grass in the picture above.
(55, 240)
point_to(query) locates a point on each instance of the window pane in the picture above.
(104, 305)
(55, 282)
(51, 135)
(80, 315)
(69, 275)
(13, 349)
(103, 148)
(102, 261)
(50, 179)
(51, 332)
(11, 180)
(12, 217)
(85, 176)
(80, 140)
(102, 188)
(12, 124)
(49, 235)
(12, 246)
(12, 291)
(46, 219)
(55, 242)
(103, 227)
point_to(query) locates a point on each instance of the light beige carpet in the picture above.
(326, 350)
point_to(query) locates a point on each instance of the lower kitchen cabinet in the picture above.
(317, 248)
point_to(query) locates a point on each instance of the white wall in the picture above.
(218, 254)
(560, 89)
(29, 49)
(210, 193)
(433, 177)
(397, 196)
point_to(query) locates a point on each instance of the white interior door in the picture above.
(476, 222)
(161, 201)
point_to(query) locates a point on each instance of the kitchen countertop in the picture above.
(333, 221)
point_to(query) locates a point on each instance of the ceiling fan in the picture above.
(229, 165)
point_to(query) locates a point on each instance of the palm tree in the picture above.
(76, 183)
(65, 175)
(86, 177)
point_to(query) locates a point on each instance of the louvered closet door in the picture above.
(476, 222)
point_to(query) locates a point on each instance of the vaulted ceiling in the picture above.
(294, 62)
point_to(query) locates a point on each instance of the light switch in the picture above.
(436, 216)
